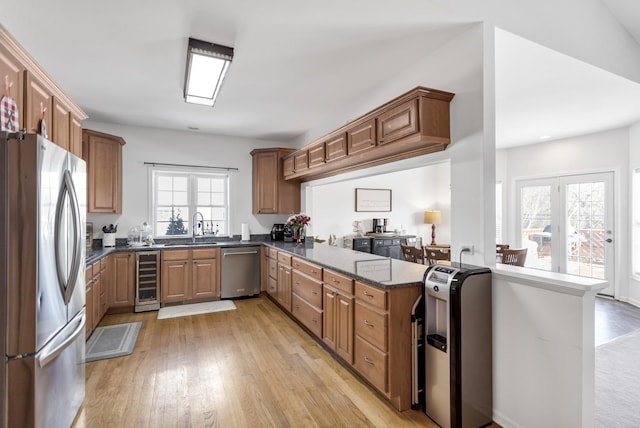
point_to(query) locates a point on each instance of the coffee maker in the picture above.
(379, 225)
(277, 232)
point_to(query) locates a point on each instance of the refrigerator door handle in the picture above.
(66, 287)
(56, 346)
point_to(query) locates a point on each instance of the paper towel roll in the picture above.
(246, 236)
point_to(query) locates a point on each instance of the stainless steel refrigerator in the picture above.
(42, 282)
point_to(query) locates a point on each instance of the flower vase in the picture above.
(298, 234)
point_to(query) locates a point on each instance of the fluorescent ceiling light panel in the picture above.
(207, 64)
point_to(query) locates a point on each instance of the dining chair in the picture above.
(499, 249)
(515, 256)
(412, 254)
(434, 254)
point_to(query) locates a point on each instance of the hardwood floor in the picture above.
(252, 366)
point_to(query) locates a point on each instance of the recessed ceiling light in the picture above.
(545, 137)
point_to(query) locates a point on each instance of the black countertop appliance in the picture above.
(277, 232)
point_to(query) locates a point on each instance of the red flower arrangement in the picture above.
(297, 222)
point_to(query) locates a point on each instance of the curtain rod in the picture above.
(191, 166)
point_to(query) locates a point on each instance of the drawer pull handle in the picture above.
(315, 293)
(368, 324)
(314, 320)
(369, 361)
(314, 271)
(367, 294)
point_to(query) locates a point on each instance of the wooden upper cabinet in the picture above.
(336, 147)
(33, 90)
(11, 68)
(413, 124)
(300, 161)
(361, 137)
(398, 122)
(37, 97)
(61, 126)
(75, 135)
(103, 154)
(316, 155)
(288, 166)
(272, 194)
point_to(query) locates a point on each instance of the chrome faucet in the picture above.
(194, 225)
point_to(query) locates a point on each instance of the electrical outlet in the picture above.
(466, 248)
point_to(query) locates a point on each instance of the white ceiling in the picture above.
(123, 62)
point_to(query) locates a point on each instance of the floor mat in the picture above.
(195, 309)
(112, 341)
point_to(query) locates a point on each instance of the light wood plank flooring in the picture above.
(253, 366)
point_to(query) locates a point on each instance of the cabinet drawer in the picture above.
(307, 268)
(339, 281)
(284, 258)
(373, 296)
(307, 315)
(103, 264)
(273, 253)
(273, 268)
(175, 255)
(307, 288)
(88, 275)
(206, 253)
(371, 325)
(273, 286)
(371, 363)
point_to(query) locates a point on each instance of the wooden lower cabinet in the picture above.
(121, 294)
(97, 278)
(307, 314)
(283, 293)
(338, 316)
(89, 307)
(190, 275)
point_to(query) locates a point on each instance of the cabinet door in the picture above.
(13, 70)
(75, 136)
(398, 122)
(264, 268)
(104, 286)
(95, 307)
(361, 137)
(60, 128)
(336, 147)
(300, 161)
(205, 282)
(123, 287)
(175, 280)
(89, 310)
(265, 182)
(284, 286)
(37, 97)
(344, 327)
(316, 155)
(329, 320)
(103, 154)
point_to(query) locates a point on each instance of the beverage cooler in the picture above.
(147, 281)
(457, 342)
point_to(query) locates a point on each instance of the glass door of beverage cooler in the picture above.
(147, 281)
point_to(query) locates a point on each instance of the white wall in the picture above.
(157, 145)
(604, 151)
(633, 293)
(413, 191)
(455, 67)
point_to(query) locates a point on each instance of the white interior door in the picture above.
(567, 225)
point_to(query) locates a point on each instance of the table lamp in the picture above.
(433, 217)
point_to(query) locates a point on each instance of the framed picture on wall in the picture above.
(373, 200)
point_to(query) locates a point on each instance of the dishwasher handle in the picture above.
(239, 253)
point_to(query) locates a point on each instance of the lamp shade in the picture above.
(432, 217)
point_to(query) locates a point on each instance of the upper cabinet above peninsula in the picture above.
(413, 124)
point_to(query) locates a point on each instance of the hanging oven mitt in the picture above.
(42, 124)
(9, 119)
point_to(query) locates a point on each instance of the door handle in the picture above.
(609, 240)
(59, 344)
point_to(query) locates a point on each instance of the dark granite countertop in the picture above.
(382, 272)
(95, 254)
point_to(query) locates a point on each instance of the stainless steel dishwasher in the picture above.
(240, 272)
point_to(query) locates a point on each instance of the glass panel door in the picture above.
(536, 222)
